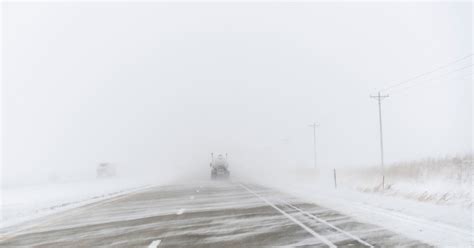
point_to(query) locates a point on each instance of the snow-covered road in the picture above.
(203, 214)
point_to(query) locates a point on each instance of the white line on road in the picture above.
(329, 224)
(315, 234)
(155, 243)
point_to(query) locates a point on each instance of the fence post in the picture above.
(335, 181)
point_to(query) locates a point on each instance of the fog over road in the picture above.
(116, 115)
(203, 214)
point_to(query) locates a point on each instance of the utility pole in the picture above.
(314, 125)
(379, 98)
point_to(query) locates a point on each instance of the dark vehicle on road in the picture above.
(220, 167)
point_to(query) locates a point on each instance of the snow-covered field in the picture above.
(23, 203)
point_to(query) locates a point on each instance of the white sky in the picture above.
(154, 86)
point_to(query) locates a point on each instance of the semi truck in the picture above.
(219, 167)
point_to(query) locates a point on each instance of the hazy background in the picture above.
(156, 87)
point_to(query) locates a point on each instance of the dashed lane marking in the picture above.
(155, 243)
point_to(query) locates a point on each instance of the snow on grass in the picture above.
(446, 181)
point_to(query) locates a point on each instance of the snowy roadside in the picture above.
(26, 203)
(443, 225)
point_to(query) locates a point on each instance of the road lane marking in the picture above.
(155, 243)
(309, 230)
(329, 224)
(180, 212)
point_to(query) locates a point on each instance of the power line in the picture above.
(425, 73)
(457, 77)
(380, 97)
(440, 77)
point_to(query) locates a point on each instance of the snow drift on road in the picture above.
(20, 204)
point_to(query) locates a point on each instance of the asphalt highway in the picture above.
(204, 214)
